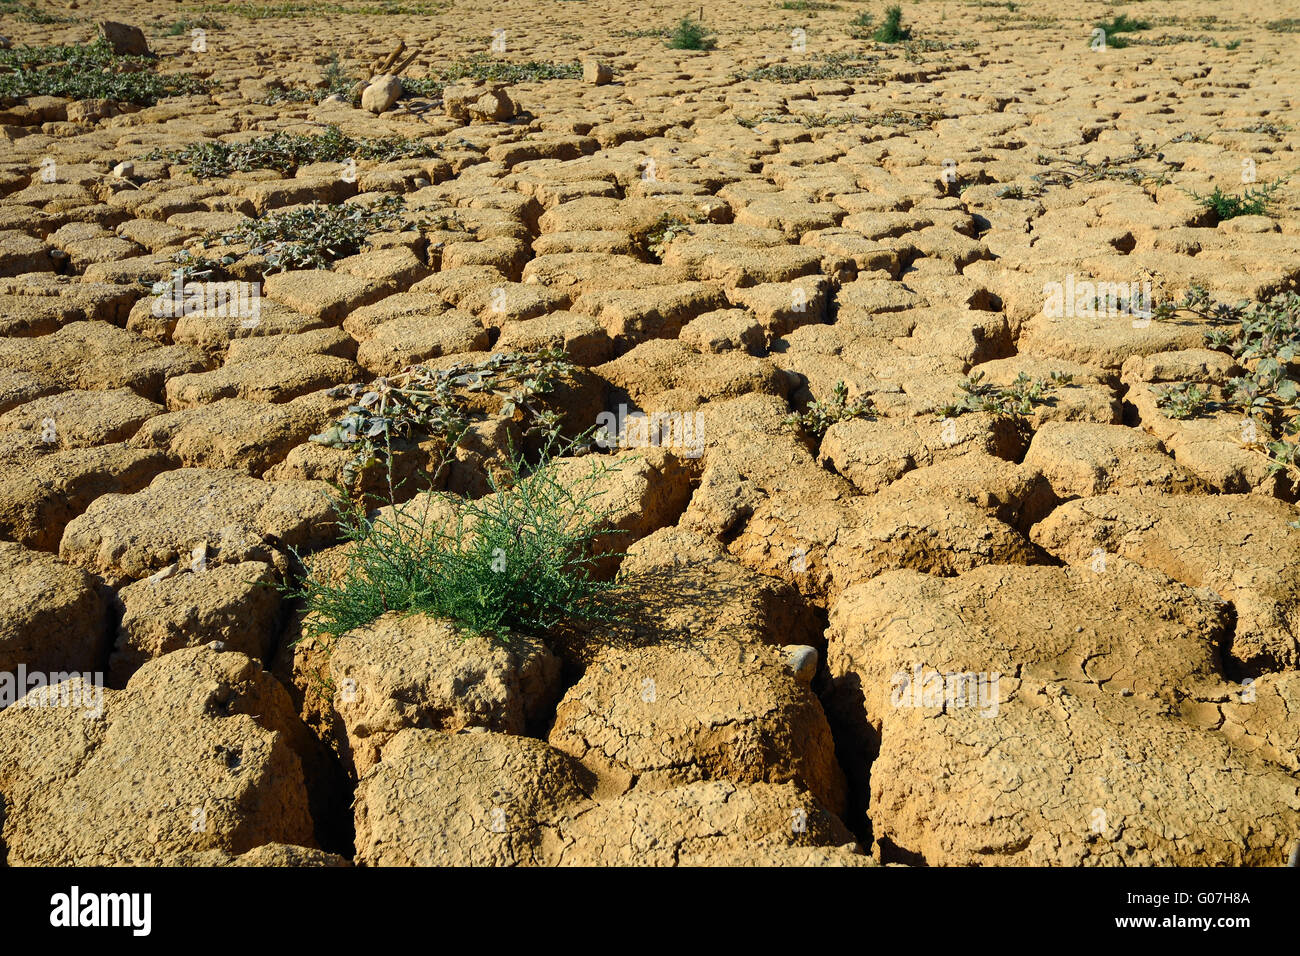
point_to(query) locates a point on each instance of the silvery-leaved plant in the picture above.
(421, 402)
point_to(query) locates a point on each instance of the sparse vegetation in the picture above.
(1114, 29)
(1182, 400)
(1254, 201)
(655, 32)
(691, 35)
(1266, 128)
(836, 66)
(423, 403)
(862, 26)
(1065, 171)
(889, 118)
(285, 152)
(482, 68)
(186, 25)
(665, 230)
(297, 10)
(892, 29)
(518, 559)
(1264, 338)
(91, 71)
(1014, 401)
(818, 416)
(29, 13)
(311, 237)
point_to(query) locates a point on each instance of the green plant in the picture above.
(818, 416)
(311, 237)
(91, 71)
(424, 403)
(1122, 23)
(862, 26)
(282, 94)
(338, 81)
(1264, 338)
(892, 30)
(835, 66)
(1111, 31)
(666, 228)
(1286, 25)
(484, 69)
(691, 35)
(285, 152)
(31, 14)
(656, 32)
(1266, 128)
(1252, 201)
(1182, 400)
(519, 559)
(1014, 401)
(185, 25)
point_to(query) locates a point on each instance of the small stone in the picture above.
(596, 73)
(493, 106)
(124, 39)
(802, 659)
(336, 98)
(381, 94)
(88, 111)
(124, 170)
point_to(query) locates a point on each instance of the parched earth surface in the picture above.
(1071, 640)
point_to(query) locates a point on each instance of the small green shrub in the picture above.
(1119, 25)
(311, 237)
(187, 25)
(665, 229)
(1182, 400)
(421, 403)
(1252, 201)
(1264, 338)
(1014, 401)
(892, 30)
(1122, 23)
(285, 152)
(338, 81)
(691, 35)
(862, 26)
(518, 559)
(819, 416)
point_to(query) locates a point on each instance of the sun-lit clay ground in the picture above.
(934, 634)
